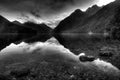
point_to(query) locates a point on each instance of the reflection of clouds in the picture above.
(47, 48)
(51, 48)
(13, 49)
(101, 65)
(105, 66)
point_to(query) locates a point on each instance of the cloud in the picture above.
(43, 9)
(43, 5)
(40, 8)
(104, 2)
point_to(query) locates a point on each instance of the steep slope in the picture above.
(70, 22)
(76, 18)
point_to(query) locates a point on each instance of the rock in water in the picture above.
(86, 58)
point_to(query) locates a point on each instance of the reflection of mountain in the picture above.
(14, 32)
(50, 60)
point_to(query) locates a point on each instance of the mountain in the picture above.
(70, 22)
(76, 18)
(89, 32)
(16, 22)
(15, 32)
(102, 23)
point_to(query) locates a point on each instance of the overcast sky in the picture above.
(48, 11)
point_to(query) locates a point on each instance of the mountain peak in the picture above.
(77, 13)
(16, 22)
(92, 10)
(93, 7)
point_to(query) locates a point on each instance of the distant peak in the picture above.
(16, 22)
(95, 6)
(92, 10)
(78, 11)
